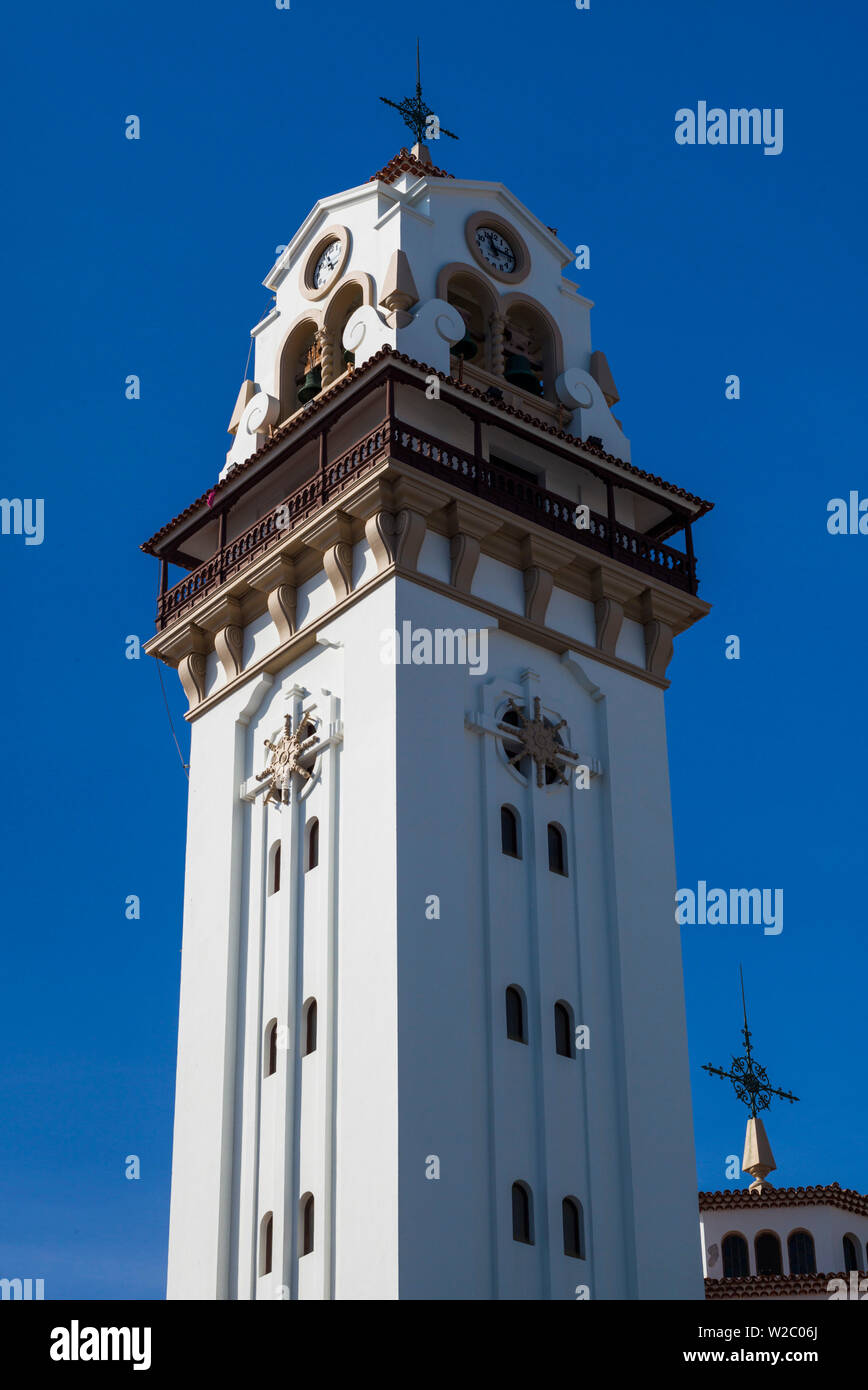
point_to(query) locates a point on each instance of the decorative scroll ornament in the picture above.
(538, 739)
(286, 756)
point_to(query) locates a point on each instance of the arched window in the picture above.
(341, 308)
(574, 1228)
(800, 1248)
(522, 1213)
(305, 1221)
(471, 295)
(767, 1251)
(509, 838)
(515, 1028)
(851, 1254)
(275, 869)
(311, 857)
(309, 1027)
(300, 368)
(557, 850)
(266, 1242)
(529, 351)
(735, 1257)
(564, 1029)
(271, 1048)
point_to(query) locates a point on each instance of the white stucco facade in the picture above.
(412, 1056)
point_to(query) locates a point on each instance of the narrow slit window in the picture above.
(557, 850)
(564, 1029)
(312, 856)
(309, 1027)
(574, 1243)
(307, 1224)
(266, 1243)
(515, 1026)
(271, 1048)
(509, 840)
(522, 1229)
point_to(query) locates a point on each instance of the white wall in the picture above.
(827, 1224)
(412, 1058)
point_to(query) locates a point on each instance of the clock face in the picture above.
(325, 266)
(496, 250)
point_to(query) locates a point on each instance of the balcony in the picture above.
(469, 471)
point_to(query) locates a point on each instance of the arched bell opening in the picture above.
(529, 352)
(300, 368)
(336, 358)
(474, 346)
(477, 305)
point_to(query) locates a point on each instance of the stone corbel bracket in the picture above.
(662, 617)
(395, 511)
(541, 558)
(225, 621)
(278, 582)
(186, 648)
(333, 538)
(467, 525)
(610, 592)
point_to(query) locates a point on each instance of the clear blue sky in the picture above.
(148, 257)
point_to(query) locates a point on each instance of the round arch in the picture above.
(468, 291)
(354, 292)
(527, 314)
(290, 358)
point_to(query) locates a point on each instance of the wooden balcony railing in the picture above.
(514, 494)
(392, 437)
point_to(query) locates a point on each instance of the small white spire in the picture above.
(758, 1158)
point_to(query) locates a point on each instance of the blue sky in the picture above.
(147, 257)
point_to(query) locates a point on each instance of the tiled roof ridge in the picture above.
(386, 351)
(406, 162)
(832, 1194)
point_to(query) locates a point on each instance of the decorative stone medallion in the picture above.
(285, 760)
(537, 738)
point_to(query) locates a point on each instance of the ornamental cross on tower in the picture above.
(414, 110)
(749, 1079)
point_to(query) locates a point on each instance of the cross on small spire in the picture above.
(414, 110)
(750, 1080)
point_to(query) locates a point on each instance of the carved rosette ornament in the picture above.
(285, 760)
(537, 738)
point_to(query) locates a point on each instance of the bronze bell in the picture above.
(465, 349)
(518, 371)
(311, 386)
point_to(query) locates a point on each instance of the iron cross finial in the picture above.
(414, 110)
(749, 1079)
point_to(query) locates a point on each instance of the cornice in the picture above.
(392, 507)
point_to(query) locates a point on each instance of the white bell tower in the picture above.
(432, 1038)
